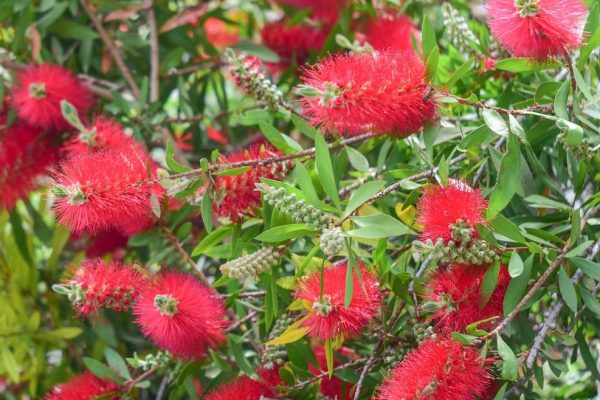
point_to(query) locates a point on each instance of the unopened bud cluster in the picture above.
(581, 151)
(160, 359)
(462, 249)
(300, 212)
(252, 264)
(458, 31)
(250, 77)
(87, 299)
(394, 355)
(275, 355)
(332, 241)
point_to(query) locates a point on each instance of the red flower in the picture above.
(329, 318)
(97, 285)
(270, 376)
(216, 136)
(537, 29)
(322, 10)
(106, 242)
(382, 92)
(180, 315)
(100, 191)
(219, 34)
(103, 135)
(293, 44)
(392, 32)
(40, 90)
(440, 370)
(24, 155)
(440, 207)
(456, 290)
(236, 196)
(241, 388)
(85, 386)
(333, 387)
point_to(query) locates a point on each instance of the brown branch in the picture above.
(130, 384)
(239, 322)
(315, 378)
(184, 254)
(212, 63)
(114, 52)
(500, 110)
(154, 54)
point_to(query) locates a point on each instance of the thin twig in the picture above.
(241, 321)
(483, 165)
(324, 374)
(110, 45)
(505, 111)
(130, 384)
(184, 254)
(154, 54)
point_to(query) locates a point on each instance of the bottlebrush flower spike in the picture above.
(103, 135)
(537, 29)
(293, 44)
(440, 370)
(104, 190)
(329, 318)
(389, 32)
(40, 90)
(235, 197)
(383, 92)
(219, 34)
(441, 208)
(96, 284)
(24, 155)
(241, 388)
(180, 315)
(85, 386)
(455, 293)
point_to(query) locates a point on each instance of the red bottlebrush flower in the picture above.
(456, 291)
(105, 190)
(329, 318)
(103, 135)
(24, 155)
(440, 370)
(537, 29)
(292, 44)
(105, 242)
(183, 141)
(326, 11)
(216, 136)
(236, 196)
(333, 387)
(241, 388)
(382, 92)
(219, 34)
(441, 207)
(393, 33)
(39, 91)
(179, 314)
(85, 386)
(96, 284)
(270, 376)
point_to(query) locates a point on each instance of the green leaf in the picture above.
(116, 362)
(20, 236)
(506, 228)
(589, 268)
(172, 164)
(575, 226)
(507, 183)
(325, 170)
(378, 226)
(72, 30)
(579, 249)
(515, 265)
(292, 334)
(460, 72)
(63, 333)
(306, 185)
(361, 195)
(524, 65)
(211, 240)
(537, 201)
(475, 137)
(488, 285)
(101, 370)
(349, 284)
(206, 209)
(51, 16)
(560, 101)
(10, 364)
(516, 128)
(282, 142)
(285, 232)
(232, 171)
(357, 160)
(590, 301)
(509, 361)
(304, 127)
(517, 287)
(432, 63)
(329, 357)
(257, 50)
(428, 40)
(495, 122)
(567, 289)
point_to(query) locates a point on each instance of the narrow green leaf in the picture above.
(507, 183)
(358, 161)
(211, 240)
(537, 201)
(517, 286)
(101, 370)
(10, 364)
(560, 101)
(460, 72)
(207, 211)
(488, 285)
(509, 361)
(117, 363)
(515, 265)
(506, 228)
(285, 232)
(329, 357)
(590, 301)
(349, 286)
(361, 195)
(172, 164)
(232, 171)
(325, 169)
(281, 141)
(524, 65)
(306, 185)
(20, 236)
(495, 122)
(304, 127)
(567, 289)
(428, 40)
(575, 226)
(378, 226)
(589, 268)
